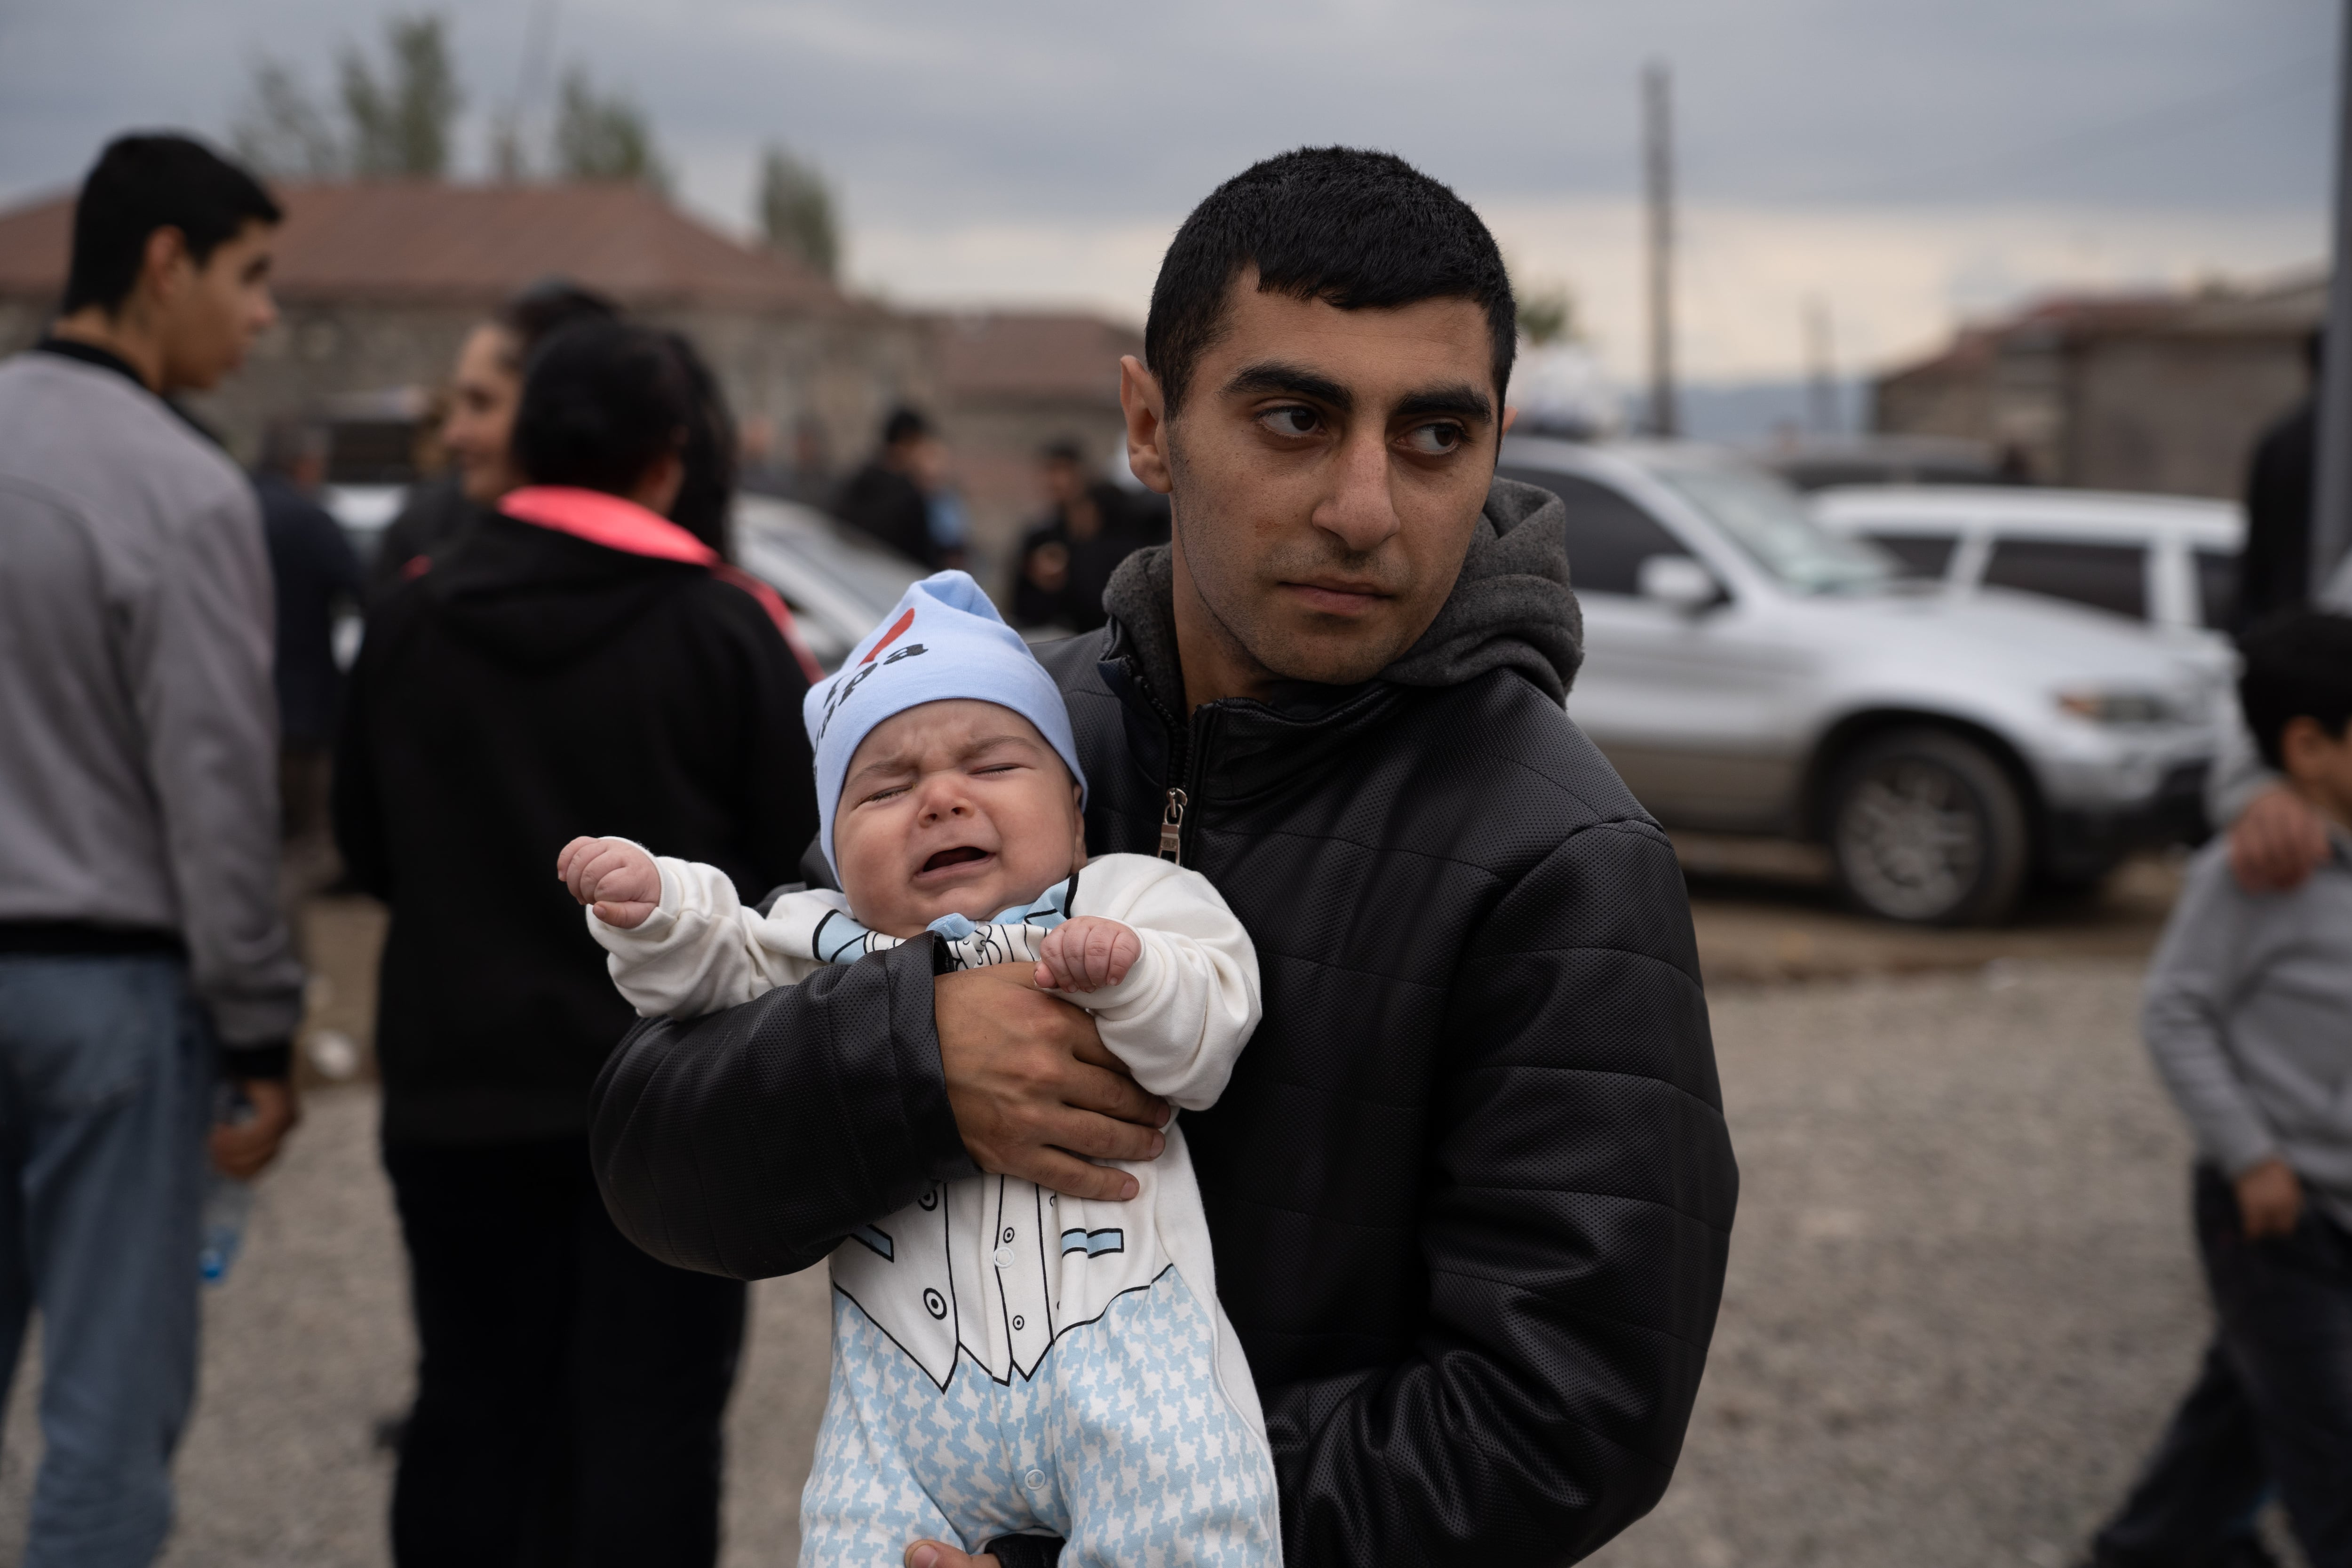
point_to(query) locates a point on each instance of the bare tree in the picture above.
(280, 131)
(796, 211)
(401, 121)
(603, 137)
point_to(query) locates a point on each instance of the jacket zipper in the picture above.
(1192, 736)
(1181, 796)
(1171, 828)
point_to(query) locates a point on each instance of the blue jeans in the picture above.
(105, 1093)
(2272, 1406)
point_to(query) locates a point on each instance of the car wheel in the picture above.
(1928, 828)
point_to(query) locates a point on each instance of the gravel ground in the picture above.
(1961, 1299)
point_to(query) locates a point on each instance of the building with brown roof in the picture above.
(378, 282)
(2133, 392)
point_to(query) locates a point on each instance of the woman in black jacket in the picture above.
(580, 664)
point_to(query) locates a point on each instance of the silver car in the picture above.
(839, 583)
(1748, 672)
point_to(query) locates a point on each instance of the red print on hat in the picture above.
(900, 625)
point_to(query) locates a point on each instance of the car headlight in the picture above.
(2120, 707)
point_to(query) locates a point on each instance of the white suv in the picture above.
(2169, 561)
(1748, 670)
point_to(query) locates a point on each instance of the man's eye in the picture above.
(1434, 440)
(1291, 421)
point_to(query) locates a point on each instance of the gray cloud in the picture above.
(938, 112)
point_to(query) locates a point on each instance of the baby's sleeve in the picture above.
(699, 951)
(1185, 1010)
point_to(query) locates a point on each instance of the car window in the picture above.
(1922, 555)
(2217, 588)
(1766, 518)
(1608, 537)
(2105, 576)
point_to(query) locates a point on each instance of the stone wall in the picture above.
(2169, 396)
(2182, 415)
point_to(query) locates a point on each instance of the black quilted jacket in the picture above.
(1470, 1187)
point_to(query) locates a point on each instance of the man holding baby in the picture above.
(1467, 1185)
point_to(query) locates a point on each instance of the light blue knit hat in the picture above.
(943, 640)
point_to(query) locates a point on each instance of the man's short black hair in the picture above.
(904, 424)
(145, 182)
(547, 306)
(1355, 229)
(1065, 450)
(2298, 665)
(602, 402)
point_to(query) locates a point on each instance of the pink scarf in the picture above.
(623, 525)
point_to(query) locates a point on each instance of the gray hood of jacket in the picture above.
(1511, 607)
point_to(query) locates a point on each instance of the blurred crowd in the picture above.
(569, 1386)
(556, 634)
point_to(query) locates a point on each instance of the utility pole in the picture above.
(1658, 171)
(1820, 376)
(510, 131)
(2331, 514)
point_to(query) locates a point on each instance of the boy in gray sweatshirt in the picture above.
(2249, 1016)
(141, 951)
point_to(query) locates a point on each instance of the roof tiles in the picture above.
(401, 240)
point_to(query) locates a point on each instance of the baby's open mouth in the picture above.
(955, 856)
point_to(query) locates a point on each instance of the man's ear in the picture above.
(165, 267)
(2302, 745)
(1146, 424)
(1510, 417)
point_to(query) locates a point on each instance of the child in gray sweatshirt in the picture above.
(2249, 1018)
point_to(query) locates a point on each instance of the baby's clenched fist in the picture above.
(1086, 952)
(612, 875)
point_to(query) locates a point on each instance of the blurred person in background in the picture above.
(886, 498)
(2276, 838)
(2249, 1018)
(951, 524)
(141, 951)
(810, 480)
(1066, 562)
(805, 477)
(570, 1388)
(2274, 568)
(757, 471)
(315, 574)
(475, 433)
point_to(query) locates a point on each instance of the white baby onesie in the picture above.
(996, 1270)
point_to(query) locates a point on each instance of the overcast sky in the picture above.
(1908, 162)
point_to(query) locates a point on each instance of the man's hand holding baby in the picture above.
(1085, 953)
(619, 879)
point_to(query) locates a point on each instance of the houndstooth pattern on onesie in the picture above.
(1009, 1360)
